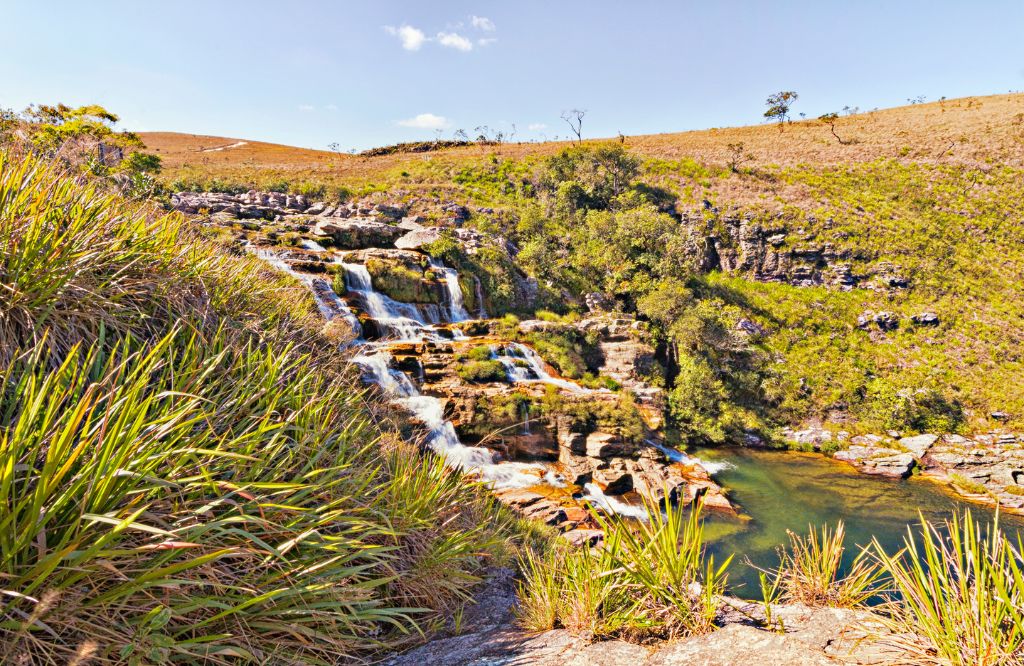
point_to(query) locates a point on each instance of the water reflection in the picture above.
(777, 491)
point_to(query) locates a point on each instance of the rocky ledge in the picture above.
(987, 468)
(812, 637)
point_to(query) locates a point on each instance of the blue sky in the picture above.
(310, 73)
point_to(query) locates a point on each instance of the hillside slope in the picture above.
(881, 274)
(972, 130)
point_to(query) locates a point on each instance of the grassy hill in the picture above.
(931, 192)
(972, 130)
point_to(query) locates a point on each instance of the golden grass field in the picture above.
(970, 130)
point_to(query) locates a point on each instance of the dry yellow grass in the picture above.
(970, 130)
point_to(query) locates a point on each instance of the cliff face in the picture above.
(773, 251)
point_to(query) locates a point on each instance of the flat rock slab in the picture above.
(739, 644)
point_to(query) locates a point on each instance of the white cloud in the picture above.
(331, 107)
(454, 40)
(486, 41)
(426, 121)
(307, 107)
(536, 127)
(482, 23)
(412, 38)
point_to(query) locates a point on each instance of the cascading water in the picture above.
(456, 306)
(401, 318)
(327, 301)
(677, 456)
(441, 435)
(523, 366)
(408, 323)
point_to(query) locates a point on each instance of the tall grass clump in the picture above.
(959, 594)
(187, 469)
(650, 579)
(811, 570)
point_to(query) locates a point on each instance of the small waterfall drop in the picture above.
(329, 303)
(523, 366)
(456, 305)
(441, 435)
(401, 318)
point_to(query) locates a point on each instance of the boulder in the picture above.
(926, 319)
(418, 238)
(358, 234)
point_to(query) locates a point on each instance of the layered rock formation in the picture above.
(552, 449)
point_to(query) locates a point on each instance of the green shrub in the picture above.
(482, 371)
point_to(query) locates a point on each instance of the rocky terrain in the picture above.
(315, 240)
(476, 389)
(811, 637)
(987, 468)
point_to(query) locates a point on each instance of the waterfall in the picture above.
(312, 245)
(523, 366)
(456, 307)
(441, 435)
(481, 311)
(677, 456)
(328, 302)
(393, 382)
(594, 495)
(402, 318)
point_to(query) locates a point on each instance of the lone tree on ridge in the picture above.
(778, 106)
(575, 119)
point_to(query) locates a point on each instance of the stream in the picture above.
(775, 491)
(786, 490)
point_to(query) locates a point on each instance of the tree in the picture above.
(779, 105)
(737, 156)
(830, 119)
(574, 117)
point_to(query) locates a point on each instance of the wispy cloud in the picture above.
(454, 40)
(331, 107)
(412, 39)
(482, 23)
(307, 107)
(426, 121)
(536, 127)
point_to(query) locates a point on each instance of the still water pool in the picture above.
(783, 490)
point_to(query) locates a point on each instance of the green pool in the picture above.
(780, 490)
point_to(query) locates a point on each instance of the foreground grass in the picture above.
(187, 472)
(953, 595)
(649, 580)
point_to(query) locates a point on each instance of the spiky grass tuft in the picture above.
(959, 594)
(811, 570)
(181, 477)
(651, 579)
